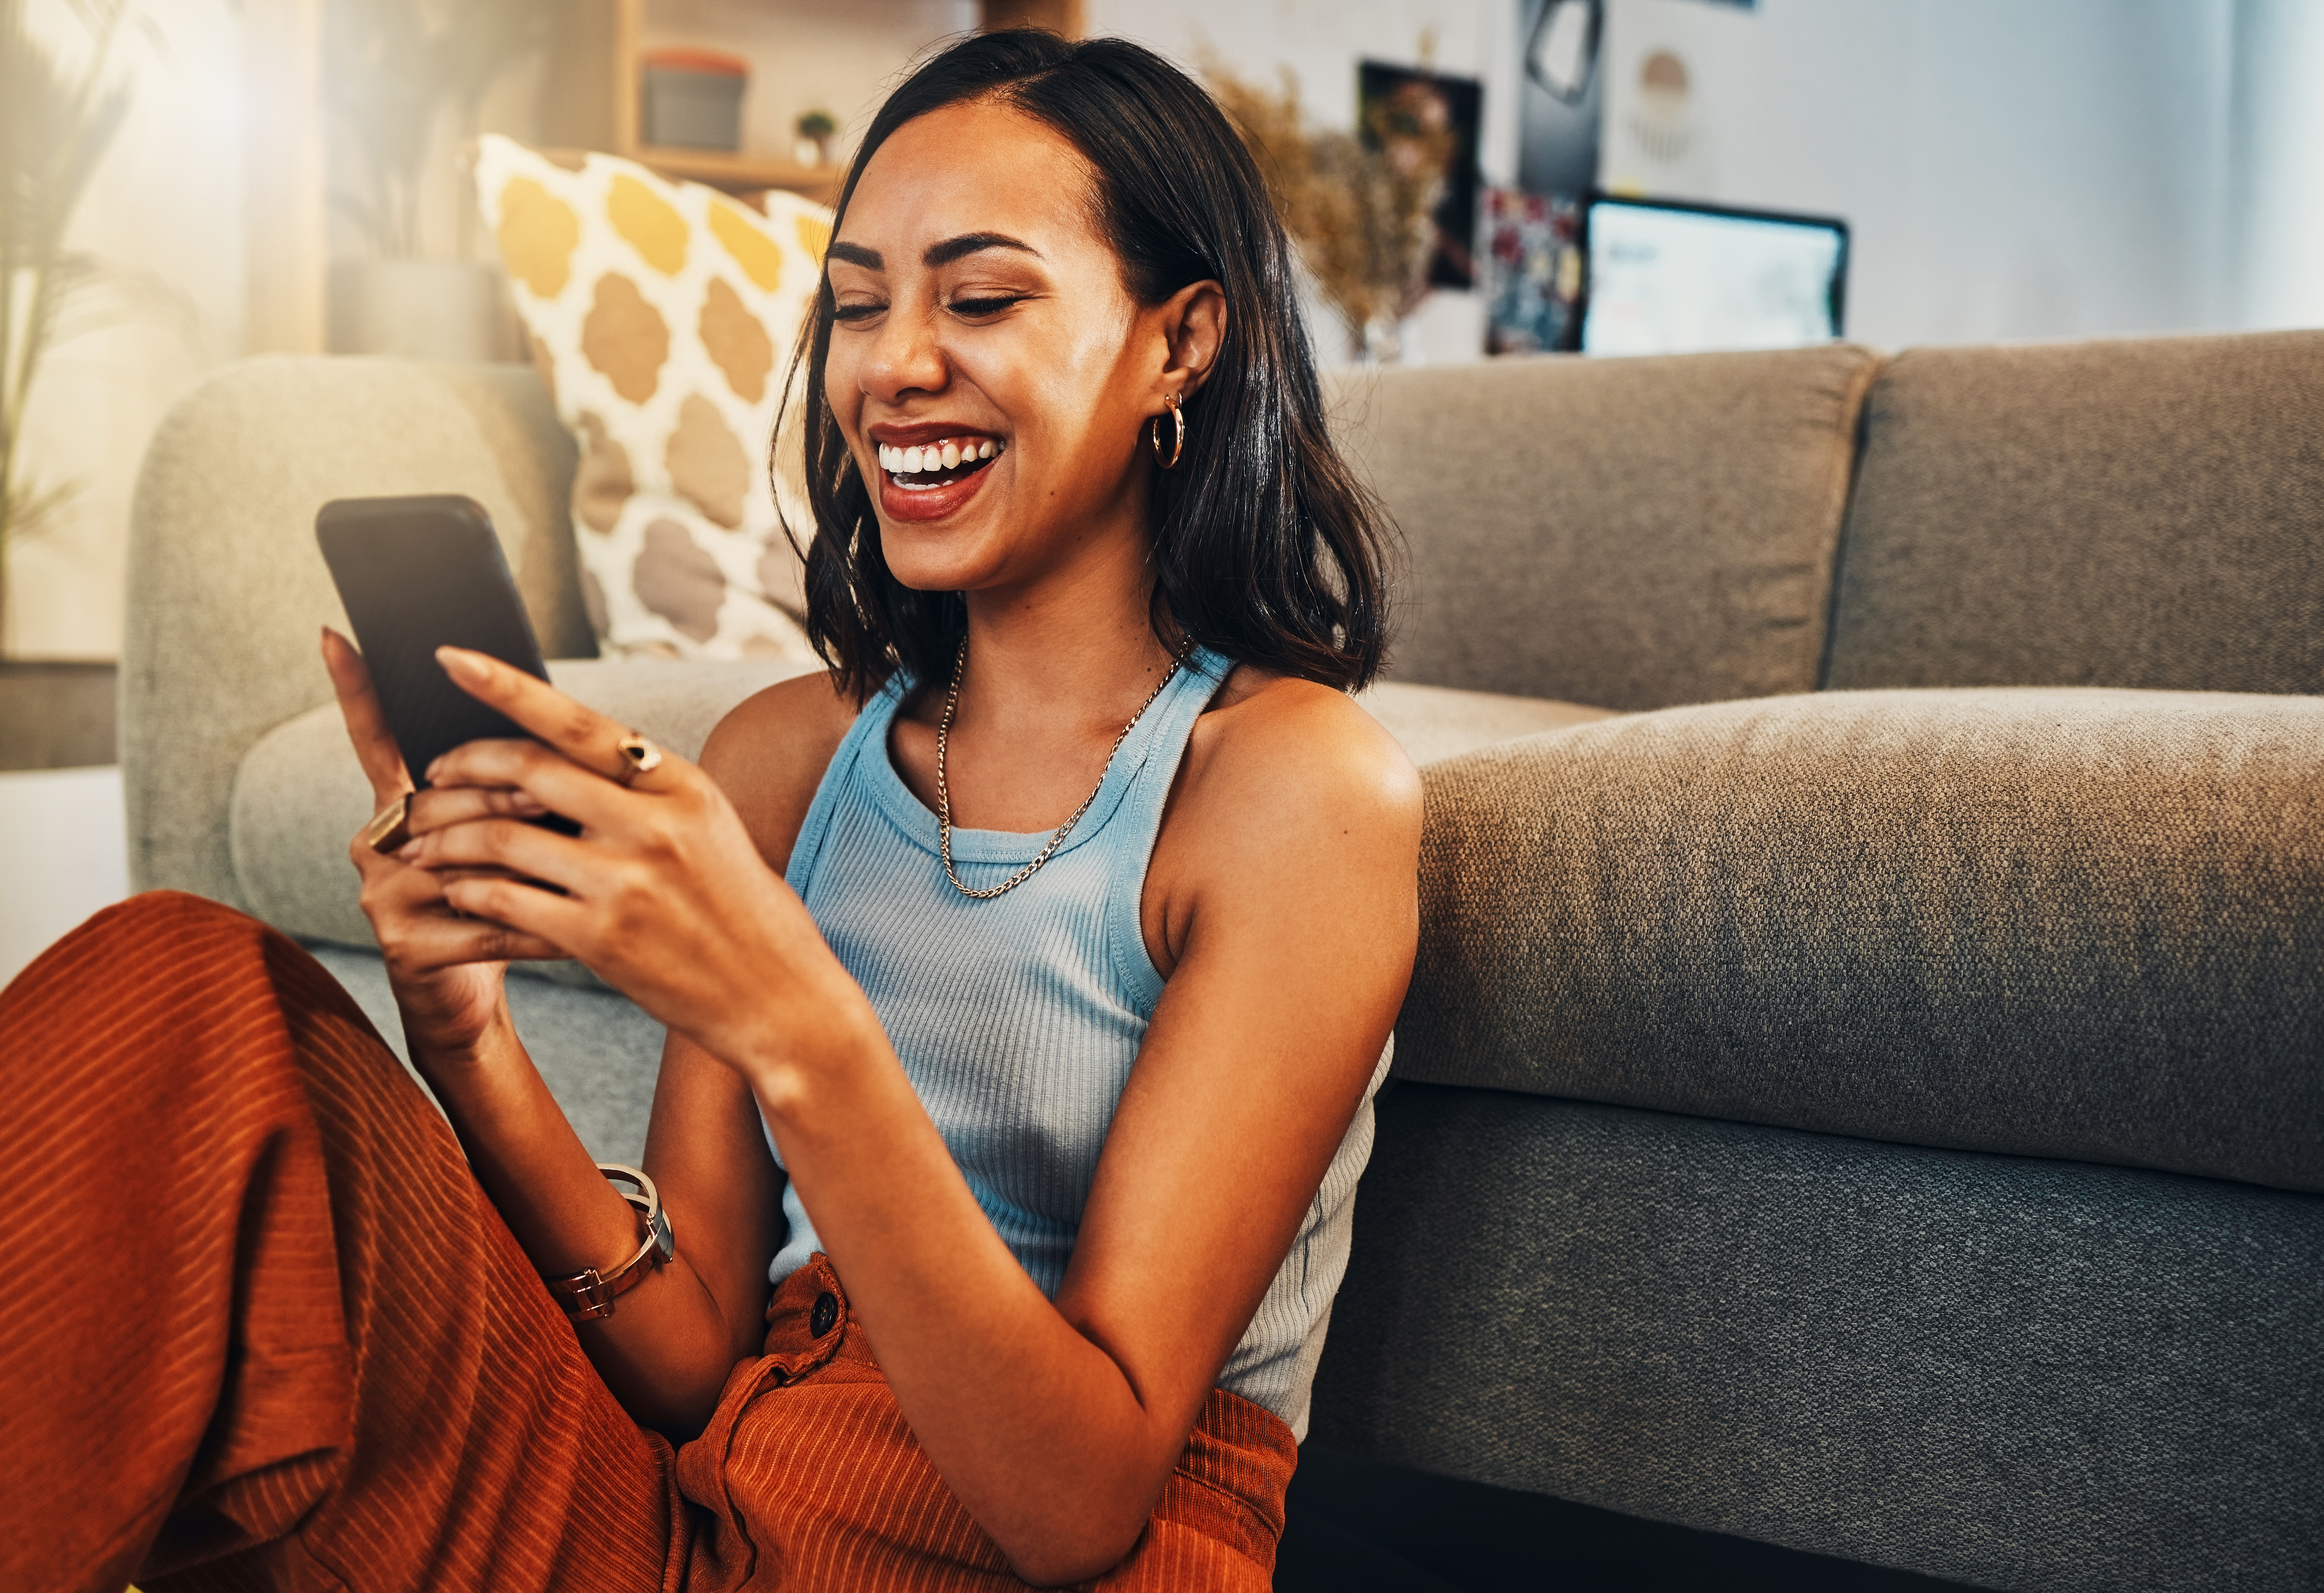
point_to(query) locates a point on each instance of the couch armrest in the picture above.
(226, 590)
(2055, 923)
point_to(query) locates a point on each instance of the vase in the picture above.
(1382, 342)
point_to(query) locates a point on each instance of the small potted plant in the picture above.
(817, 129)
(392, 70)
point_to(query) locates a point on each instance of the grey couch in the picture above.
(1863, 1085)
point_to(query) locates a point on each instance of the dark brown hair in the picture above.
(1265, 546)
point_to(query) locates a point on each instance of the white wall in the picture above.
(1321, 42)
(808, 55)
(2010, 169)
(2277, 188)
(164, 209)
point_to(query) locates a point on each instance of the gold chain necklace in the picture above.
(944, 792)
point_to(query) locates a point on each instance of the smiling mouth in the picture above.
(938, 464)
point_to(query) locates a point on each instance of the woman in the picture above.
(1025, 980)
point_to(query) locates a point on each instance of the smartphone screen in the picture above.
(416, 574)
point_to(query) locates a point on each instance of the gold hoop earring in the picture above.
(1178, 442)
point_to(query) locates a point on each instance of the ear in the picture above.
(1193, 328)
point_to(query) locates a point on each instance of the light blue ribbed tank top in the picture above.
(1018, 1019)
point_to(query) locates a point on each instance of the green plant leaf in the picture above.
(26, 512)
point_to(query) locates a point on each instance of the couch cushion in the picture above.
(2074, 923)
(1633, 533)
(1435, 722)
(2008, 1372)
(598, 1053)
(299, 795)
(662, 316)
(2144, 512)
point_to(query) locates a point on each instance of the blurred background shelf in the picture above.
(804, 56)
(733, 173)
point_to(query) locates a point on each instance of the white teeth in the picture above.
(949, 454)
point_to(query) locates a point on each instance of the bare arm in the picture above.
(1290, 916)
(667, 1350)
(1290, 928)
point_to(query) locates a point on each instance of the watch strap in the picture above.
(590, 1294)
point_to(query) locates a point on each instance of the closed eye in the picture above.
(854, 312)
(977, 309)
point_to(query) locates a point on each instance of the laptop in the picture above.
(1667, 278)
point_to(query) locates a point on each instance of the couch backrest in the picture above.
(2141, 513)
(1628, 533)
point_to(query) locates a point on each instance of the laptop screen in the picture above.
(1685, 279)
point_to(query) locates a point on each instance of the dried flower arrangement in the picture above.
(1358, 207)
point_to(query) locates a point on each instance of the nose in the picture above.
(905, 355)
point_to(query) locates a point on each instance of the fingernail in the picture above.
(436, 768)
(463, 665)
(408, 852)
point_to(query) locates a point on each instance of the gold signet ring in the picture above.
(639, 756)
(391, 827)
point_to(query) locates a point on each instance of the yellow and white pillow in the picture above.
(662, 316)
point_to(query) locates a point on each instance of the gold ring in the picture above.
(639, 756)
(390, 828)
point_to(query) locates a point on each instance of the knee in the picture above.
(155, 930)
(163, 912)
(163, 956)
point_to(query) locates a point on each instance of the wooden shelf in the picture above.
(595, 93)
(736, 173)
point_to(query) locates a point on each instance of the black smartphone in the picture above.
(419, 573)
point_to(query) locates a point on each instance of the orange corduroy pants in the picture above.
(261, 1328)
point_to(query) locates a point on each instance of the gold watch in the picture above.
(589, 1294)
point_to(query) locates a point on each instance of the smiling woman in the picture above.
(1027, 980)
(1159, 227)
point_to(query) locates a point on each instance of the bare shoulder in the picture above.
(768, 754)
(1293, 811)
(1280, 756)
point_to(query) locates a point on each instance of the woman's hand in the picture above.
(664, 895)
(445, 970)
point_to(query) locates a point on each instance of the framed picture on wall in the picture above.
(1424, 119)
(1532, 261)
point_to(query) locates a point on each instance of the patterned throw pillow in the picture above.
(663, 316)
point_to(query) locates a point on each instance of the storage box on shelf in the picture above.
(601, 57)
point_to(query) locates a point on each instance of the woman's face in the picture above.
(979, 311)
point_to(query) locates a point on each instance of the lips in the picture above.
(928, 471)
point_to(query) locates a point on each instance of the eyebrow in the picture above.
(938, 254)
(971, 242)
